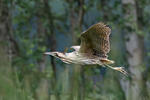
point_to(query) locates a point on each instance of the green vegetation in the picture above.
(28, 28)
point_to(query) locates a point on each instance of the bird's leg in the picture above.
(120, 69)
(103, 66)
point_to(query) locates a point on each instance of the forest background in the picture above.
(28, 28)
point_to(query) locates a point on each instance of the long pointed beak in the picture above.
(49, 53)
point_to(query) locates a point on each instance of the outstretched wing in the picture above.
(95, 40)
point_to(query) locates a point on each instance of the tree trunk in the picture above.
(50, 34)
(5, 45)
(4, 26)
(76, 21)
(135, 53)
(5, 53)
(51, 42)
(43, 85)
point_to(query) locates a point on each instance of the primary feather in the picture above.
(95, 40)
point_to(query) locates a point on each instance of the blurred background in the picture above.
(28, 28)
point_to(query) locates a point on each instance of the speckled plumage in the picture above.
(93, 50)
(95, 40)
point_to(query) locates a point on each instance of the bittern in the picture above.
(93, 50)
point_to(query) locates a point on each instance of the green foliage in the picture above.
(30, 75)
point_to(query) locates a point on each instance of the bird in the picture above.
(93, 50)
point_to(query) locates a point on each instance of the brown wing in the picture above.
(95, 40)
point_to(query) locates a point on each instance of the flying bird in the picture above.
(93, 50)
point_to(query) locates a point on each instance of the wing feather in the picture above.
(95, 40)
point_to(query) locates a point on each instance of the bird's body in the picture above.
(93, 49)
(80, 58)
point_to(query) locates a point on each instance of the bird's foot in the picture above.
(120, 69)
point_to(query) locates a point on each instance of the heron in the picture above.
(93, 50)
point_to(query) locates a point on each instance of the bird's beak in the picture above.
(50, 53)
(47, 53)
